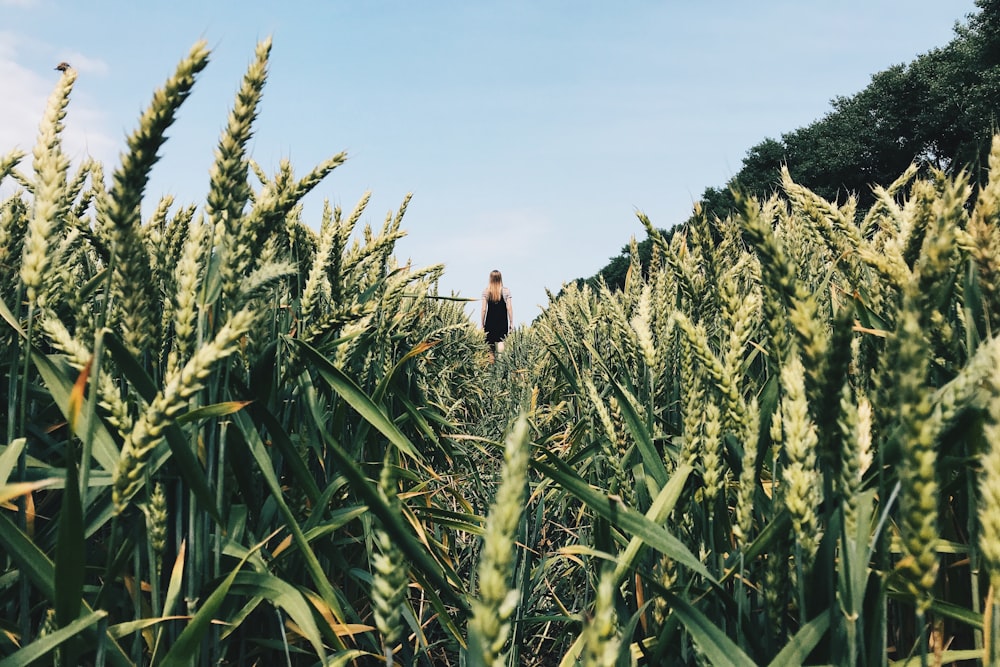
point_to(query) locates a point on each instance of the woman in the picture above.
(497, 317)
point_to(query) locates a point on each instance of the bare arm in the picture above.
(510, 313)
(482, 314)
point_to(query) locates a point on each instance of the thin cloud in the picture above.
(24, 93)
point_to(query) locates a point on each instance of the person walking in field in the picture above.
(497, 317)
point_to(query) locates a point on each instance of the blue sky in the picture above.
(530, 133)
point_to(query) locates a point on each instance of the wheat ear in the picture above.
(147, 432)
(51, 165)
(491, 613)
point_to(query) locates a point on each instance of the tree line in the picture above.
(938, 112)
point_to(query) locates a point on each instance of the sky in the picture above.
(529, 132)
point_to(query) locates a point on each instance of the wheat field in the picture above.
(237, 437)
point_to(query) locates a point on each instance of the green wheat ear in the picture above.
(168, 403)
(602, 643)
(490, 625)
(743, 526)
(8, 163)
(803, 484)
(989, 490)
(157, 516)
(134, 291)
(229, 190)
(918, 499)
(391, 574)
(50, 165)
(989, 514)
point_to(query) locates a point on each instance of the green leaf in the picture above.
(173, 595)
(620, 515)
(8, 315)
(345, 658)
(394, 525)
(651, 459)
(383, 383)
(777, 528)
(941, 608)
(183, 651)
(282, 594)
(854, 572)
(335, 520)
(290, 453)
(45, 645)
(720, 650)
(661, 508)
(39, 570)
(417, 415)
(805, 640)
(571, 376)
(970, 655)
(70, 545)
(358, 400)
(119, 630)
(625, 648)
(316, 571)
(176, 579)
(870, 320)
(30, 560)
(57, 380)
(208, 411)
(469, 523)
(440, 297)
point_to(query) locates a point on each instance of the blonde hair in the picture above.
(495, 288)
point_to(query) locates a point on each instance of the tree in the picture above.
(939, 111)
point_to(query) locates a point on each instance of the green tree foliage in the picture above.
(938, 111)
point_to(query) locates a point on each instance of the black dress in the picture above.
(496, 320)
